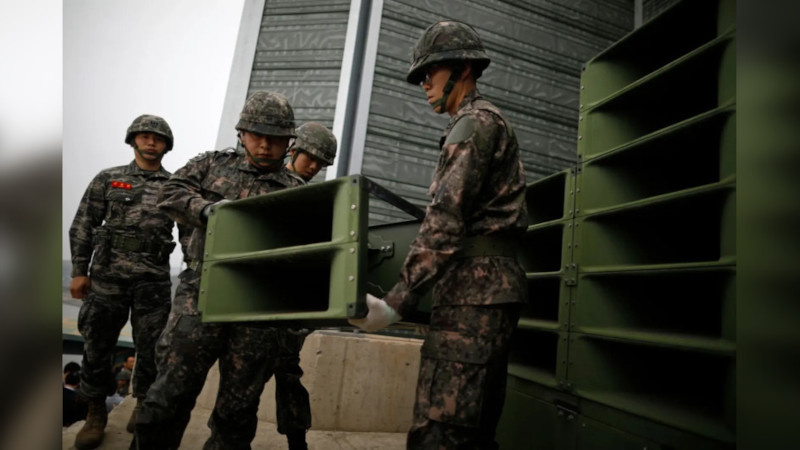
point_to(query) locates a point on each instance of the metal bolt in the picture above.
(352, 250)
(580, 118)
(202, 291)
(577, 211)
(579, 189)
(582, 86)
(353, 207)
(351, 278)
(352, 233)
(580, 137)
(206, 254)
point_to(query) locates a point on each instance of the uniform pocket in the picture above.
(454, 371)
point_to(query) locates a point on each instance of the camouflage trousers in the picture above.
(465, 354)
(293, 409)
(103, 314)
(185, 353)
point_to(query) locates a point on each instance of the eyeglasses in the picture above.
(429, 74)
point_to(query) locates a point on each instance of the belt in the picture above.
(135, 244)
(488, 246)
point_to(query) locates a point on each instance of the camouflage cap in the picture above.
(147, 123)
(268, 113)
(317, 140)
(447, 40)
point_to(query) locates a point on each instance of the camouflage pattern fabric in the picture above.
(267, 113)
(447, 41)
(317, 140)
(478, 189)
(292, 404)
(464, 355)
(188, 347)
(100, 320)
(128, 241)
(120, 204)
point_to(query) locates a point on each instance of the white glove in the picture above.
(380, 315)
(210, 208)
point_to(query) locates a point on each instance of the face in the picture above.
(151, 145)
(306, 165)
(264, 146)
(130, 362)
(435, 79)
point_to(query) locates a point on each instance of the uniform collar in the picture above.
(133, 169)
(465, 102)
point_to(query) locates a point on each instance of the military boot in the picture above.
(91, 435)
(131, 427)
(297, 440)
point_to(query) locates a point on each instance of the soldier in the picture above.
(314, 148)
(188, 348)
(464, 250)
(128, 240)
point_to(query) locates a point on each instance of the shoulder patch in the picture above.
(462, 130)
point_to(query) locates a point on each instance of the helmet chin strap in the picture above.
(294, 158)
(448, 88)
(142, 154)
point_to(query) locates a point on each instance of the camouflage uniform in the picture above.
(128, 240)
(188, 348)
(478, 190)
(292, 404)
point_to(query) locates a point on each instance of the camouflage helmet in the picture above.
(268, 113)
(147, 123)
(447, 40)
(317, 140)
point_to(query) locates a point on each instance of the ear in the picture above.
(467, 72)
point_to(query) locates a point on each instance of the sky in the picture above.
(124, 58)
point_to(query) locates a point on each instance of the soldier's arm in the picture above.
(465, 161)
(181, 196)
(90, 215)
(184, 234)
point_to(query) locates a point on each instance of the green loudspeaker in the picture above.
(304, 254)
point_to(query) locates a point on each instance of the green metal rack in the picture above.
(304, 254)
(643, 352)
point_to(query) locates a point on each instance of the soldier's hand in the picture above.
(380, 315)
(210, 208)
(79, 286)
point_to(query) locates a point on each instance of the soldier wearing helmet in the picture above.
(188, 347)
(313, 149)
(120, 244)
(465, 244)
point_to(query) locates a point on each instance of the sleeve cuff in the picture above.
(80, 271)
(401, 299)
